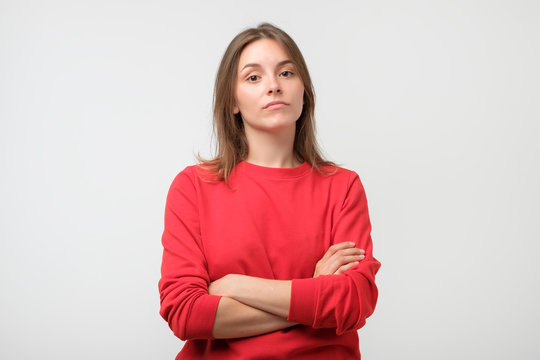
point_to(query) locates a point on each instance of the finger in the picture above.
(342, 260)
(346, 267)
(331, 260)
(333, 264)
(336, 247)
(344, 256)
(350, 251)
(339, 246)
(353, 249)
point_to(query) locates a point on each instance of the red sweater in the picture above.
(273, 223)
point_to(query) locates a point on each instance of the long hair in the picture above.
(232, 145)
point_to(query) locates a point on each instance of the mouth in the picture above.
(274, 105)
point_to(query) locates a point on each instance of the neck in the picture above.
(271, 149)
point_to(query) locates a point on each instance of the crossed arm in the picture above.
(253, 306)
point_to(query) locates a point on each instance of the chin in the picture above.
(275, 123)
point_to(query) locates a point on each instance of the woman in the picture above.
(267, 247)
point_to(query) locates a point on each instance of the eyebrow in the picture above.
(279, 64)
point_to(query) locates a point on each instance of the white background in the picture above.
(436, 104)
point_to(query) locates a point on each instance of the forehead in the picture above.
(263, 52)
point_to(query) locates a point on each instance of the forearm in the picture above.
(235, 320)
(343, 302)
(272, 296)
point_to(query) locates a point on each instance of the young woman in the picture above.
(267, 247)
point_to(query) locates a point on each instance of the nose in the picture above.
(273, 86)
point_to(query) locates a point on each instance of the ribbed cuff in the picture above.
(202, 315)
(303, 301)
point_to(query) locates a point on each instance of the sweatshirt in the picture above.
(273, 223)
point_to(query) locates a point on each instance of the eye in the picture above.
(286, 73)
(253, 78)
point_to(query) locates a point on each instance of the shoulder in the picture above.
(344, 182)
(195, 177)
(182, 186)
(196, 173)
(338, 173)
(184, 177)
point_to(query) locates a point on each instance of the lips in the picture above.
(275, 105)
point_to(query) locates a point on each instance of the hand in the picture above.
(338, 259)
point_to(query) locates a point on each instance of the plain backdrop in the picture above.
(436, 105)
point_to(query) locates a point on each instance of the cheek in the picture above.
(299, 89)
(300, 101)
(300, 95)
(243, 99)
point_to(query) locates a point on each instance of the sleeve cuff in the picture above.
(202, 317)
(303, 301)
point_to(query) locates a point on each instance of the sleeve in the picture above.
(183, 287)
(344, 301)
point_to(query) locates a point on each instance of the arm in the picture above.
(344, 301)
(235, 319)
(185, 303)
(342, 293)
(271, 296)
(191, 312)
(274, 296)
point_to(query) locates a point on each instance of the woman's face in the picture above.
(269, 93)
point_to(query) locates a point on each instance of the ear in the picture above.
(236, 110)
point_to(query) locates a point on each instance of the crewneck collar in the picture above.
(275, 173)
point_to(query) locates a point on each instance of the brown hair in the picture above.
(232, 146)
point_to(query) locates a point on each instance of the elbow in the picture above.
(172, 313)
(174, 305)
(353, 315)
(353, 322)
(188, 310)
